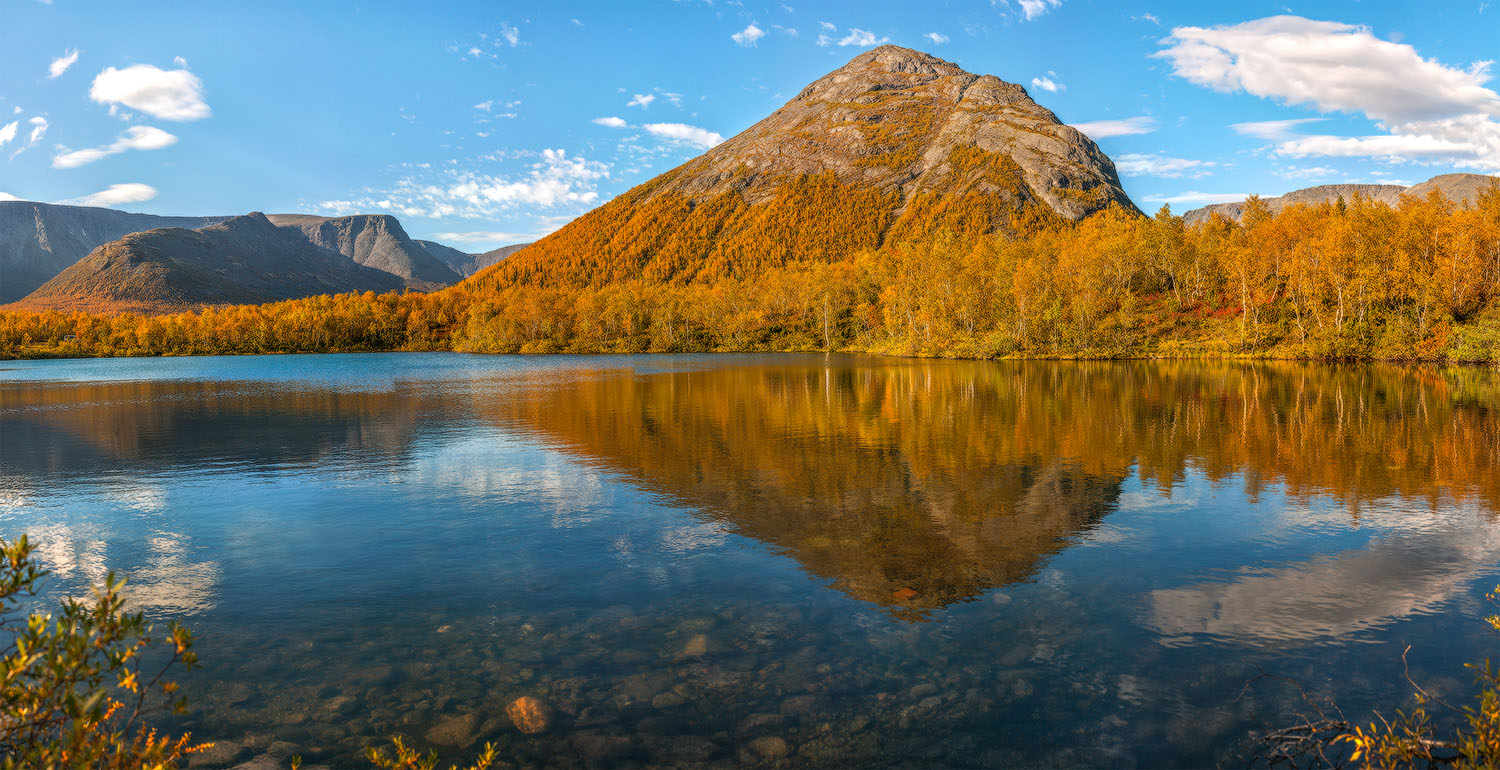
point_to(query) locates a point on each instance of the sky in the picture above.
(481, 124)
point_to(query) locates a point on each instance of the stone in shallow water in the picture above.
(770, 747)
(218, 755)
(454, 730)
(667, 700)
(696, 647)
(530, 715)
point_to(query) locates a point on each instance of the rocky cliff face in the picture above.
(1460, 188)
(896, 145)
(242, 260)
(40, 240)
(376, 241)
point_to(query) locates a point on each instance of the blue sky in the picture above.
(484, 123)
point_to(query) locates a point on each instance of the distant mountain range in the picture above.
(76, 257)
(1459, 188)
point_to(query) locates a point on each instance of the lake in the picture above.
(800, 560)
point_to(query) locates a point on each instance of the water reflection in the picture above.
(1398, 575)
(875, 561)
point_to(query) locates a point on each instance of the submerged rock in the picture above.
(529, 715)
(771, 747)
(696, 647)
(455, 730)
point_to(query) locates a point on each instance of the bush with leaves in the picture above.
(73, 691)
(1412, 740)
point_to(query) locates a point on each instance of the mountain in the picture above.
(464, 263)
(40, 240)
(375, 241)
(1460, 188)
(895, 145)
(245, 259)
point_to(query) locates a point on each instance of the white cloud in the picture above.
(5, 196)
(937, 38)
(1394, 148)
(1427, 110)
(1272, 130)
(482, 236)
(1048, 84)
(62, 63)
(1312, 172)
(510, 35)
(1157, 165)
(166, 94)
(1032, 9)
(8, 131)
(134, 138)
(133, 192)
(1193, 196)
(827, 26)
(610, 122)
(824, 40)
(686, 134)
(1099, 129)
(748, 35)
(1332, 66)
(862, 38)
(555, 180)
(641, 100)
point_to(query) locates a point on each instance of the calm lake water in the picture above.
(782, 559)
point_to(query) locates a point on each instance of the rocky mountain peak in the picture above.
(908, 122)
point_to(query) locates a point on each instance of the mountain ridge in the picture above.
(1462, 189)
(242, 260)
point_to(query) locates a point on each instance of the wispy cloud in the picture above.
(937, 38)
(1034, 9)
(555, 180)
(1273, 130)
(1100, 129)
(115, 194)
(483, 236)
(1046, 83)
(1193, 196)
(641, 100)
(134, 138)
(686, 134)
(62, 63)
(862, 38)
(1158, 165)
(748, 35)
(610, 122)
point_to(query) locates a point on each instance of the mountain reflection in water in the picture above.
(1094, 555)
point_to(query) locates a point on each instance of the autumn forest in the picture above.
(1346, 280)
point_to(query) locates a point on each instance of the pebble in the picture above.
(923, 690)
(770, 747)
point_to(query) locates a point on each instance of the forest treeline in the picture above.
(1344, 280)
